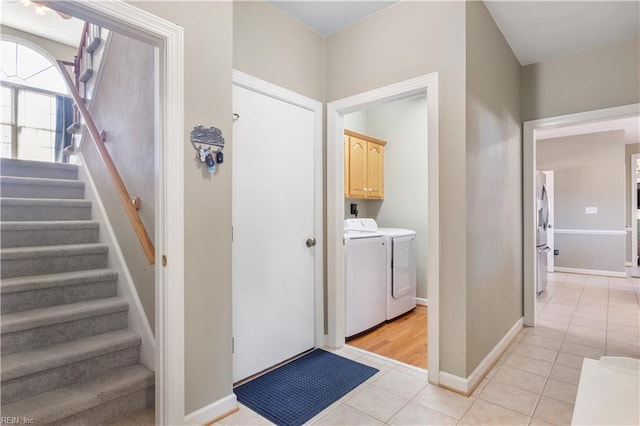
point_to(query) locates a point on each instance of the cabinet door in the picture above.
(357, 167)
(375, 171)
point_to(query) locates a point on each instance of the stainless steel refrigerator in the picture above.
(542, 227)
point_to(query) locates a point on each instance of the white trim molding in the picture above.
(138, 321)
(422, 301)
(255, 84)
(423, 85)
(467, 385)
(591, 272)
(589, 232)
(529, 191)
(212, 412)
(168, 38)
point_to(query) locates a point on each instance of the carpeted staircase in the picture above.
(67, 354)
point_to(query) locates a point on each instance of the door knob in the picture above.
(311, 242)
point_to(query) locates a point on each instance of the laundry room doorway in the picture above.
(277, 225)
(386, 197)
(390, 140)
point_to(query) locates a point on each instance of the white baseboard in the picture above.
(466, 385)
(422, 302)
(213, 411)
(126, 288)
(591, 272)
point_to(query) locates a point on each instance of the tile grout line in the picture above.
(558, 354)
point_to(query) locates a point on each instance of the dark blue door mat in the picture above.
(297, 391)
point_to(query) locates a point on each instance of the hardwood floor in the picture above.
(403, 339)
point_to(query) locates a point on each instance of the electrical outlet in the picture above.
(590, 210)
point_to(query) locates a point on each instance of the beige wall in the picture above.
(207, 199)
(403, 125)
(493, 186)
(598, 78)
(597, 252)
(588, 172)
(275, 47)
(57, 50)
(424, 37)
(130, 141)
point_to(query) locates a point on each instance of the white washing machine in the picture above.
(402, 271)
(365, 276)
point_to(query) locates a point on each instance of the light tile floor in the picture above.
(534, 382)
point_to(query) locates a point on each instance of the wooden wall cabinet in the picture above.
(363, 166)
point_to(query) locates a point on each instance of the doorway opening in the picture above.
(338, 121)
(388, 183)
(574, 224)
(167, 41)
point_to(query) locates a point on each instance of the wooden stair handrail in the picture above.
(123, 194)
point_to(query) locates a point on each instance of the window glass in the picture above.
(36, 110)
(5, 140)
(8, 56)
(36, 144)
(5, 105)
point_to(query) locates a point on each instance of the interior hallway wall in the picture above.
(403, 125)
(130, 129)
(207, 199)
(588, 172)
(493, 186)
(598, 78)
(424, 37)
(273, 46)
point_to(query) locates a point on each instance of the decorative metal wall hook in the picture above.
(208, 136)
(211, 136)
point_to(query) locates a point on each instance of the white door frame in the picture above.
(126, 19)
(529, 190)
(632, 210)
(255, 84)
(551, 240)
(427, 84)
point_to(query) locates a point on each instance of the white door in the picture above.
(273, 216)
(550, 232)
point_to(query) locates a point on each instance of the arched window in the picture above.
(34, 104)
(24, 66)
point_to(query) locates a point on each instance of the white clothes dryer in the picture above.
(365, 276)
(402, 271)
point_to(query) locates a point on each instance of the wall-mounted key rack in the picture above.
(204, 139)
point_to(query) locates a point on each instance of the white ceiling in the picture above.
(50, 25)
(328, 16)
(540, 30)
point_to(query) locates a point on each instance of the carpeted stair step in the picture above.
(100, 400)
(23, 261)
(29, 187)
(40, 233)
(40, 169)
(26, 330)
(28, 209)
(29, 373)
(42, 291)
